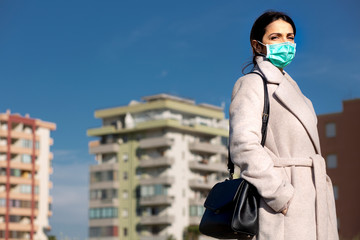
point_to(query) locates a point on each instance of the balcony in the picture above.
(19, 196)
(201, 184)
(21, 227)
(19, 150)
(194, 220)
(108, 202)
(19, 211)
(156, 200)
(156, 162)
(208, 167)
(154, 237)
(103, 148)
(18, 180)
(103, 238)
(209, 148)
(155, 142)
(156, 180)
(103, 222)
(105, 184)
(104, 167)
(197, 201)
(157, 220)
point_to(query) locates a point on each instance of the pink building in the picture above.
(25, 167)
(339, 136)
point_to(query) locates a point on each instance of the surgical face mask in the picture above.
(280, 54)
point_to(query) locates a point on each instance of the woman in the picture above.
(297, 199)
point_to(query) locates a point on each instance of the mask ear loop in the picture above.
(267, 50)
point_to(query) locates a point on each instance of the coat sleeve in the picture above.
(246, 151)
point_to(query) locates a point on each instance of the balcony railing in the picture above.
(208, 167)
(156, 180)
(209, 148)
(156, 200)
(194, 220)
(110, 202)
(197, 201)
(157, 220)
(104, 148)
(105, 184)
(103, 222)
(154, 237)
(156, 162)
(103, 238)
(155, 142)
(199, 184)
(104, 167)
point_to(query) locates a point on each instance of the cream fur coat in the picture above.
(288, 171)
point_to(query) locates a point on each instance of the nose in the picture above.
(284, 39)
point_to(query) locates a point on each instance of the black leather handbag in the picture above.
(231, 207)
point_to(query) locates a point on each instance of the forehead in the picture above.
(279, 26)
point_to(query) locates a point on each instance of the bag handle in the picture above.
(265, 120)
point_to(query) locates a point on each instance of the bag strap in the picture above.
(265, 120)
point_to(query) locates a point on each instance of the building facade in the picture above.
(340, 144)
(25, 167)
(156, 161)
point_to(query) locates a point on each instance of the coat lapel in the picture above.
(290, 95)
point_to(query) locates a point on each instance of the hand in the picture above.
(284, 211)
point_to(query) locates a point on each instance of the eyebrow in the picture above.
(281, 34)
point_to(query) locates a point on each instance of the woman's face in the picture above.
(278, 31)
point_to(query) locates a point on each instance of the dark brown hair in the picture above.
(259, 27)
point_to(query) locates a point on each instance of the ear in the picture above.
(257, 47)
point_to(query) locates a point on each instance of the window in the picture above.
(15, 172)
(153, 190)
(25, 188)
(26, 143)
(26, 158)
(125, 232)
(15, 218)
(95, 177)
(107, 231)
(125, 157)
(125, 194)
(107, 212)
(331, 161)
(224, 141)
(125, 175)
(103, 194)
(109, 176)
(196, 210)
(330, 130)
(336, 192)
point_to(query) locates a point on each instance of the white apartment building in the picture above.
(156, 161)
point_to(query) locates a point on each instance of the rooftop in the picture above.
(164, 101)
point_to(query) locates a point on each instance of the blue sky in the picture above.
(62, 60)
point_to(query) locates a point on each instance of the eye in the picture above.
(274, 38)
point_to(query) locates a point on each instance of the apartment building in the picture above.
(25, 166)
(156, 161)
(339, 136)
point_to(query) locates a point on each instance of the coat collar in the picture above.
(291, 96)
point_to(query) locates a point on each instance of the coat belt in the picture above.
(317, 162)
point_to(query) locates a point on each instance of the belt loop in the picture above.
(292, 175)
